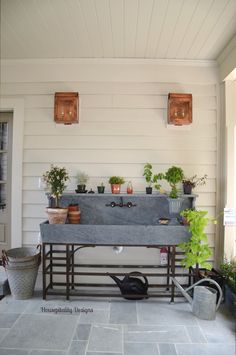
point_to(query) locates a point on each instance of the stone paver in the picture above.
(114, 327)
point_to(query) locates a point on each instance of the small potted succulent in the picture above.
(101, 188)
(55, 180)
(150, 178)
(191, 183)
(116, 182)
(82, 179)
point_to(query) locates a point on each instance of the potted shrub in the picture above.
(173, 176)
(191, 183)
(228, 270)
(101, 188)
(150, 178)
(116, 182)
(196, 250)
(55, 180)
(82, 179)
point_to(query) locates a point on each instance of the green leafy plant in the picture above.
(195, 181)
(116, 180)
(228, 270)
(82, 178)
(173, 176)
(150, 177)
(55, 180)
(197, 250)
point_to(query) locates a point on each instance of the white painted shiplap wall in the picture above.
(122, 125)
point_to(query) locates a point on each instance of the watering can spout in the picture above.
(117, 280)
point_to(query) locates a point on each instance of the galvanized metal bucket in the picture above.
(21, 265)
(204, 298)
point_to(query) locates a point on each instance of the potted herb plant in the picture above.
(116, 182)
(82, 179)
(150, 178)
(55, 180)
(196, 250)
(101, 188)
(191, 183)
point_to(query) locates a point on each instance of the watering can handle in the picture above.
(211, 281)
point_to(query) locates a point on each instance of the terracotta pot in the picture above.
(57, 215)
(74, 213)
(74, 217)
(73, 207)
(74, 220)
(115, 188)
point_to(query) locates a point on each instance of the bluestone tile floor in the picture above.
(111, 327)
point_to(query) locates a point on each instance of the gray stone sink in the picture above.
(126, 235)
(103, 225)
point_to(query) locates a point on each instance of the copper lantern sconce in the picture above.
(66, 107)
(179, 109)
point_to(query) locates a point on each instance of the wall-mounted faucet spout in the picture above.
(121, 204)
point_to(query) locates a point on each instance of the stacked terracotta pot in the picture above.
(74, 214)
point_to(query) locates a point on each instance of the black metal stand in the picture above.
(62, 262)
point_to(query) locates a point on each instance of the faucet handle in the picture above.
(111, 204)
(130, 204)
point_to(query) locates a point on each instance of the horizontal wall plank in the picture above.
(34, 197)
(108, 70)
(106, 88)
(118, 156)
(119, 101)
(157, 129)
(117, 142)
(37, 169)
(121, 115)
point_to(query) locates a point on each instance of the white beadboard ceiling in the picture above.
(156, 29)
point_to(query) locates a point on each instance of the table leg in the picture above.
(43, 271)
(72, 267)
(173, 273)
(51, 268)
(67, 271)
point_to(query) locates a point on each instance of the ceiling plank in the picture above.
(181, 28)
(117, 22)
(91, 22)
(104, 22)
(208, 25)
(158, 15)
(169, 24)
(143, 25)
(130, 21)
(221, 33)
(194, 26)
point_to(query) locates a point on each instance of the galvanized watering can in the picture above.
(204, 298)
